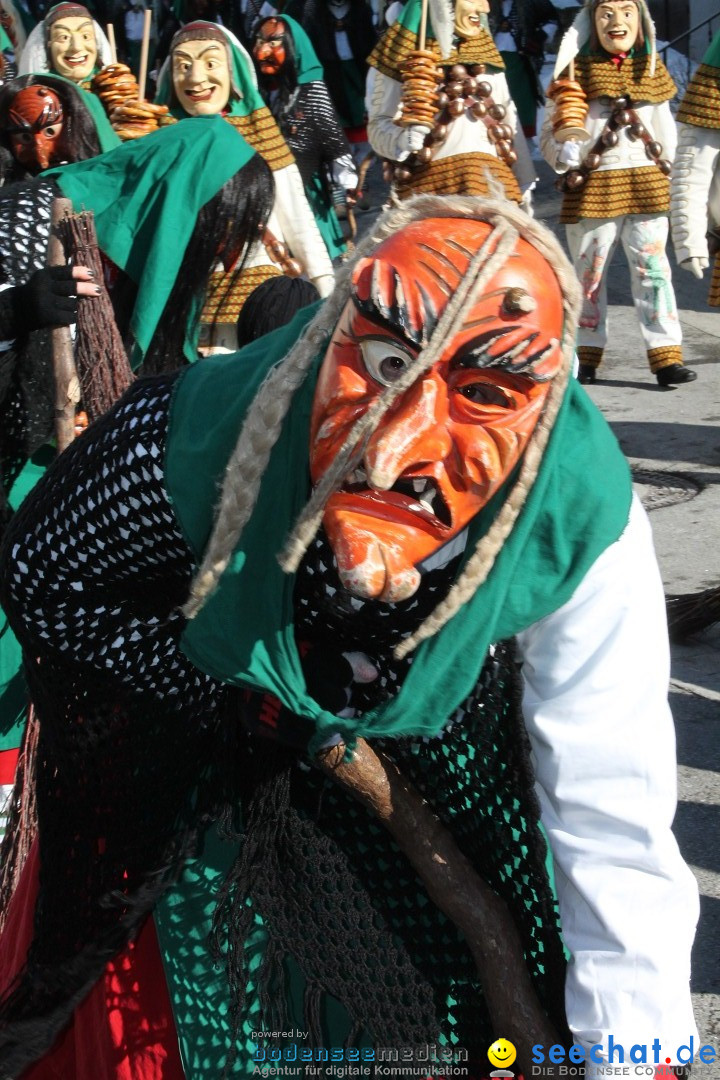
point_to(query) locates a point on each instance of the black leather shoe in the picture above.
(587, 374)
(675, 374)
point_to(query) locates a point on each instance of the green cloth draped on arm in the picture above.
(146, 195)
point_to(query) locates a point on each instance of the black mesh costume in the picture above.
(345, 79)
(139, 749)
(310, 127)
(26, 385)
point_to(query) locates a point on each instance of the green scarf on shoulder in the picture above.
(245, 634)
(146, 195)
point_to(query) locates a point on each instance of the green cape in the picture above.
(146, 195)
(245, 636)
(243, 82)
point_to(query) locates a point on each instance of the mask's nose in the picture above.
(414, 434)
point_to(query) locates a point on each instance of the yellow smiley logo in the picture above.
(502, 1053)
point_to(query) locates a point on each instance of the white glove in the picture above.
(569, 154)
(411, 139)
(695, 265)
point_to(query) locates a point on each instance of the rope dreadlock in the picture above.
(264, 419)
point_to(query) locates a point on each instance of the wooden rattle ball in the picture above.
(479, 109)
(574, 180)
(403, 175)
(442, 100)
(637, 130)
(484, 89)
(453, 89)
(653, 149)
(425, 155)
(511, 157)
(609, 138)
(469, 86)
(592, 161)
(458, 71)
(497, 112)
(665, 166)
(620, 102)
(456, 108)
(622, 118)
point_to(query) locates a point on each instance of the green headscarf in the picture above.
(245, 97)
(308, 67)
(146, 195)
(245, 635)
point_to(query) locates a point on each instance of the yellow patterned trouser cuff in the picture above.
(590, 355)
(714, 294)
(664, 356)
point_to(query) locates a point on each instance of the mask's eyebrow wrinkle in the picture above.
(442, 257)
(460, 248)
(442, 283)
(430, 314)
(478, 355)
(537, 358)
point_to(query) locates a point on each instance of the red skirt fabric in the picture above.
(124, 1030)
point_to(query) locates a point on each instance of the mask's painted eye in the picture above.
(385, 360)
(482, 393)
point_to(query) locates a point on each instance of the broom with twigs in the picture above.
(692, 612)
(103, 370)
(95, 372)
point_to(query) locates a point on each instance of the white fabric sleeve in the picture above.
(387, 138)
(696, 174)
(595, 703)
(299, 229)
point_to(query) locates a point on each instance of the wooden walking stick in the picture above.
(144, 50)
(455, 888)
(112, 43)
(67, 386)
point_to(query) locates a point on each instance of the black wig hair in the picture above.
(273, 304)
(226, 230)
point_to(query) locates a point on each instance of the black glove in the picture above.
(49, 298)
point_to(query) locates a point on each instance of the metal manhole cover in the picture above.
(657, 488)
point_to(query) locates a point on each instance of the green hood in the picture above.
(145, 196)
(244, 635)
(309, 69)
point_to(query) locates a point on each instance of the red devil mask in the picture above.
(449, 442)
(35, 123)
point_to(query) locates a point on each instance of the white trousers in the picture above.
(592, 243)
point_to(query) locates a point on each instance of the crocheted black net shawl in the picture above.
(139, 750)
(26, 383)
